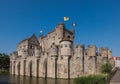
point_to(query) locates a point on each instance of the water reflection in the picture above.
(33, 80)
(4, 79)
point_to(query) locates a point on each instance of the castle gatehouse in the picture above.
(54, 56)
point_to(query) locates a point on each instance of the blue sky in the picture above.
(98, 21)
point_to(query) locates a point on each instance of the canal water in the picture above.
(8, 79)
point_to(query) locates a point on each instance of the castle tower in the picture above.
(54, 56)
(13, 58)
(90, 60)
(37, 55)
(77, 63)
(104, 54)
(109, 54)
(110, 58)
(52, 61)
(63, 69)
(60, 30)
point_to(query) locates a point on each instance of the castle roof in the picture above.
(27, 39)
(82, 45)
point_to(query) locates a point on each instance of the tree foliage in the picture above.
(106, 68)
(4, 61)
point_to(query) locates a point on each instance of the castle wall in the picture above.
(63, 64)
(76, 64)
(22, 47)
(98, 63)
(55, 37)
(22, 67)
(103, 52)
(54, 56)
(89, 65)
(109, 54)
(69, 35)
(62, 68)
(13, 63)
(65, 49)
(90, 60)
(51, 70)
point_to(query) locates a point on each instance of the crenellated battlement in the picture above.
(54, 56)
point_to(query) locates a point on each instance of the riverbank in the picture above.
(4, 72)
(14, 79)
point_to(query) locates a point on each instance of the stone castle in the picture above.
(55, 56)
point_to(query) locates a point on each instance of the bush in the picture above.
(91, 79)
(106, 68)
(4, 71)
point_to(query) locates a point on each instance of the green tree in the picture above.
(106, 68)
(4, 61)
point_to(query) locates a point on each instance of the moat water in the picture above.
(8, 79)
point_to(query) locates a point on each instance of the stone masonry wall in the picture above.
(54, 56)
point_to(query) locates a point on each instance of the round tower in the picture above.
(65, 48)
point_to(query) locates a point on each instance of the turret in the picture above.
(14, 55)
(79, 51)
(103, 52)
(91, 50)
(65, 48)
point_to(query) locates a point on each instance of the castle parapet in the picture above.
(79, 51)
(54, 56)
(109, 54)
(14, 55)
(103, 52)
(91, 50)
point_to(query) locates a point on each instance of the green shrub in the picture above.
(106, 68)
(91, 79)
(4, 71)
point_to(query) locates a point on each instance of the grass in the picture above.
(4, 71)
(91, 79)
